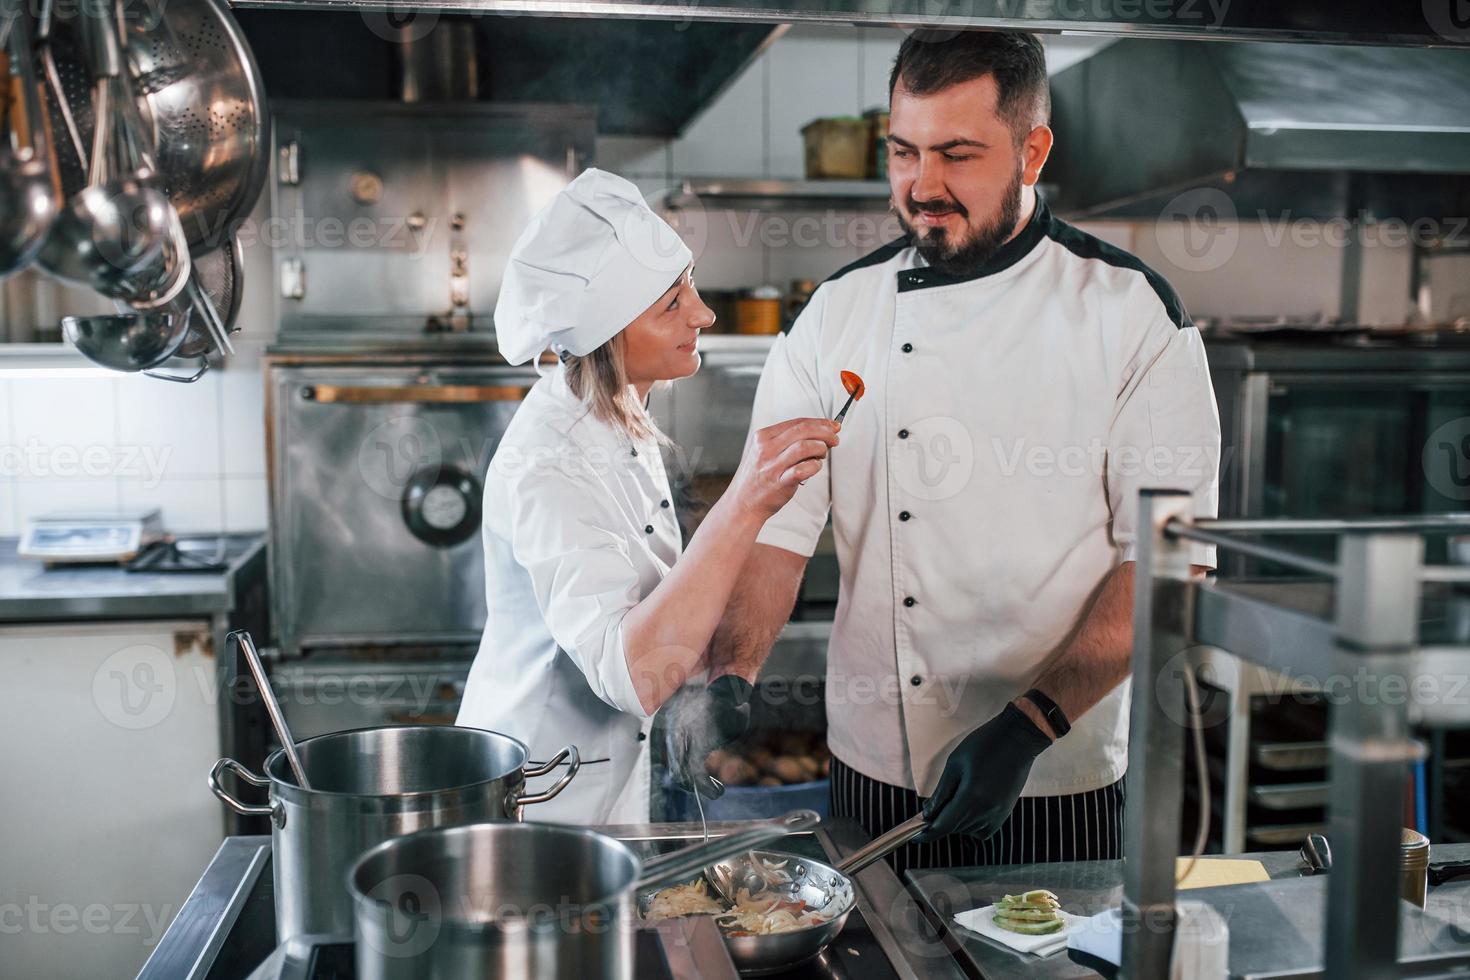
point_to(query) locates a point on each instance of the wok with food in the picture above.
(788, 909)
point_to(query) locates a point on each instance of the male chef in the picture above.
(1024, 381)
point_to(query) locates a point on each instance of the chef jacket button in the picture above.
(635, 452)
(663, 503)
(916, 680)
(909, 601)
(648, 529)
(907, 348)
(903, 433)
(642, 736)
(904, 515)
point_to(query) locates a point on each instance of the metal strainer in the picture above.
(221, 274)
(201, 101)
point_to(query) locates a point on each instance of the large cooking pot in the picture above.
(495, 901)
(372, 785)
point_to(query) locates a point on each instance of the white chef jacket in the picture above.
(578, 527)
(987, 482)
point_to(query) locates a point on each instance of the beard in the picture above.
(963, 257)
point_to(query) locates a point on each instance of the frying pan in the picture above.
(792, 877)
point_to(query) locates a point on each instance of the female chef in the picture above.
(597, 613)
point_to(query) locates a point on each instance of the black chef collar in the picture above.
(1008, 255)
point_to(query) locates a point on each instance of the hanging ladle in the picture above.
(272, 707)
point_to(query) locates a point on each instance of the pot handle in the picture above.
(573, 764)
(274, 811)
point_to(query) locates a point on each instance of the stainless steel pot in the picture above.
(493, 901)
(372, 785)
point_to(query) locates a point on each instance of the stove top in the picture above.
(325, 958)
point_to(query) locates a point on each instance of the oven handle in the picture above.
(419, 394)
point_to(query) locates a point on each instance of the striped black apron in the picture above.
(1077, 827)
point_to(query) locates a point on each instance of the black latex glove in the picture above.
(698, 720)
(983, 777)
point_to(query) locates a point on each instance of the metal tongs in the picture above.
(748, 873)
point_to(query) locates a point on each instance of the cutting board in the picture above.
(1210, 872)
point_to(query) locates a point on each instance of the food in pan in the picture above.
(1033, 913)
(679, 900)
(762, 914)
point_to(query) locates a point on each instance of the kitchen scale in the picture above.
(90, 536)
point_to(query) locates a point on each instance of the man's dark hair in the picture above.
(930, 61)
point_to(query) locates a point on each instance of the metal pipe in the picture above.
(1163, 627)
(1444, 573)
(1280, 555)
(1287, 525)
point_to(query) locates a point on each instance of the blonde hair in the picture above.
(601, 380)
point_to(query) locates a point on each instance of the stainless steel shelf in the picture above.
(775, 194)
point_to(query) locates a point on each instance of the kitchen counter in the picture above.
(30, 591)
(1348, 354)
(1090, 887)
(226, 926)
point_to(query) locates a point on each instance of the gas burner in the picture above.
(207, 554)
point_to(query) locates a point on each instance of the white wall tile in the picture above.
(48, 496)
(731, 256)
(1116, 233)
(190, 505)
(247, 503)
(257, 320)
(634, 156)
(1064, 51)
(7, 415)
(55, 419)
(815, 244)
(727, 139)
(1384, 284)
(9, 524)
(1260, 274)
(178, 423)
(814, 73)
(242, 421)
(879, 46)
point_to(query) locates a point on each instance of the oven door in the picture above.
(376, 492)
(1371, 444)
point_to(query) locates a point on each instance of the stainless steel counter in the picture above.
(226, 926)
(1090, 887)
(30, 591)
(1230, 354)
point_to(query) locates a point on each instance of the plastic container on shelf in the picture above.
(837, 148)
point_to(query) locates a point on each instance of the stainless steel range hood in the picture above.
(645, 77)
(1398, 22)
(1313, 128)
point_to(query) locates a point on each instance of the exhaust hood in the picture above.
(645, 77)
(1316, 129)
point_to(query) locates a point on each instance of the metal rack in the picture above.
(1370, 637)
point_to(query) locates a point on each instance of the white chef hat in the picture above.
(585, 267)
